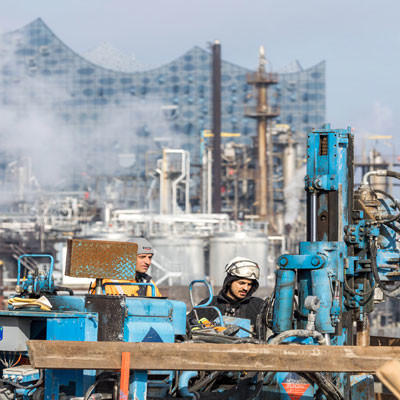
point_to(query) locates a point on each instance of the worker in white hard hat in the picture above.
(236, 296)
(143, 263)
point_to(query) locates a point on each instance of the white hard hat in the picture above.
(242, 267)
(144, 246)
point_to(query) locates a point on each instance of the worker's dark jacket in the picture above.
(247, 308)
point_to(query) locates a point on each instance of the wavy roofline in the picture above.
(127, 73)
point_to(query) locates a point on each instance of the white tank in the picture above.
(182, 256)
(224, 247)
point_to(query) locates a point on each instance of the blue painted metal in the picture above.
(362, 386)
(284, 296)
(324, 267)
(146, 319)
(208, 302)
(243, 323)
(36, 283)
(183, 384)
(138, 385)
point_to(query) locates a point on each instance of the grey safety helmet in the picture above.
(144, 246)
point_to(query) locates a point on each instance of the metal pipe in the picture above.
(179, 178)
(313, 217)
(284, 296)
(262, 163)
(183, 385)
(363, 332)
(209, 181)
(216, 103)
(187, 184)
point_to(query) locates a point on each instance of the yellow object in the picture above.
(20, 302)
(208, 133)
(127, 290)
(376, 137)
(207, 324)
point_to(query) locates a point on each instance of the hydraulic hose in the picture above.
(261, 322)
(354, 293)
(205, 381)
(216, 338)
(381, 172)
(327, 386)
(240, 390)
(394, 227)
(92, 387)
(389, 196)
(64, 289)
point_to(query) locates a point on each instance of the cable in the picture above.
(391, 226)
(354, 293)
(92, 387)
(262, 319)
(329, 389)
(19, 358)
(388, 195)
(218, 338)
(205, 381)
(240, 390)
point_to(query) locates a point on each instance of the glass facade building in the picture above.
(110, 121)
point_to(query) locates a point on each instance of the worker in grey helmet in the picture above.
(143, 262)
(236, 296)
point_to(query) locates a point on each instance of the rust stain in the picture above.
(101, 259)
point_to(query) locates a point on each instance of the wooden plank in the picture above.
(385, 396)
(209, 357)
(101, 259)
(389, 375)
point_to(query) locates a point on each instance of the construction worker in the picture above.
(235, 298)
(143, 262)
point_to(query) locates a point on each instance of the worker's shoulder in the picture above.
(256, 301)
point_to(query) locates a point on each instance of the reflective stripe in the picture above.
(119, 289)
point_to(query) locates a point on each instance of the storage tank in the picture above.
(225, 246)
(178, 254)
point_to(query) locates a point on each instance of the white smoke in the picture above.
(293, 194)
(32, 126)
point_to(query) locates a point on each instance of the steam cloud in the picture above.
(293, 193)
(33, 127)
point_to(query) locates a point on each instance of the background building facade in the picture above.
(75, 119)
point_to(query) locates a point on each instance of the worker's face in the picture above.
(143, 262)
(240, 288)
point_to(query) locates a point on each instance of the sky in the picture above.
(358, 39)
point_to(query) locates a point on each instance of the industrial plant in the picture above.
(190, 230)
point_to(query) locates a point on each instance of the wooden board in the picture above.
(389, 375)
(101, 259)
(209, 357)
